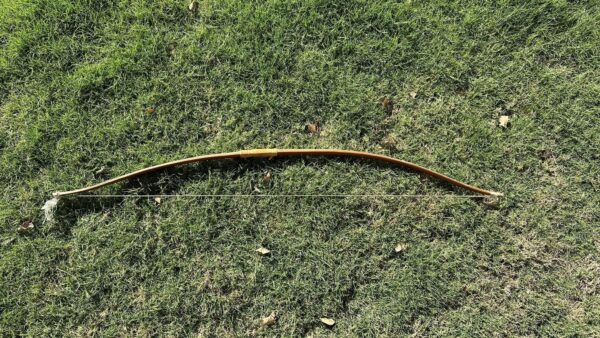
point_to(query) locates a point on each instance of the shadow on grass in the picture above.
(169, 182)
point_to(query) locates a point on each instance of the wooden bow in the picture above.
(281, 153)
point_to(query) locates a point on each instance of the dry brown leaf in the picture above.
(263, 251)
(193, 6)
(312, 128)
(413, 95)
(269, 320)
(327, 321)
(400, 247)
(27, 225)
(150, 110)
(503, 121)
(157, 200)
(267, 177)
(387, 105)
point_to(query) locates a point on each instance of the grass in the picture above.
(77, 79)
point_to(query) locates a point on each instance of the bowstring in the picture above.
(273, 195)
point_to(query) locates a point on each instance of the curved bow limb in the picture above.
(282, 153)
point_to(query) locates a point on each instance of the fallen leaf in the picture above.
(327, 321)
(503, 121)
(263, 251)
(413, 95)
(267, 177)
(150, 110)
(193, 6)
(387, 105)
(400, 247)
(26, 225)
(270, 320)
(312, 128)
(157, 200)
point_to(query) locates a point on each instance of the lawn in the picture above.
(94, 89)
